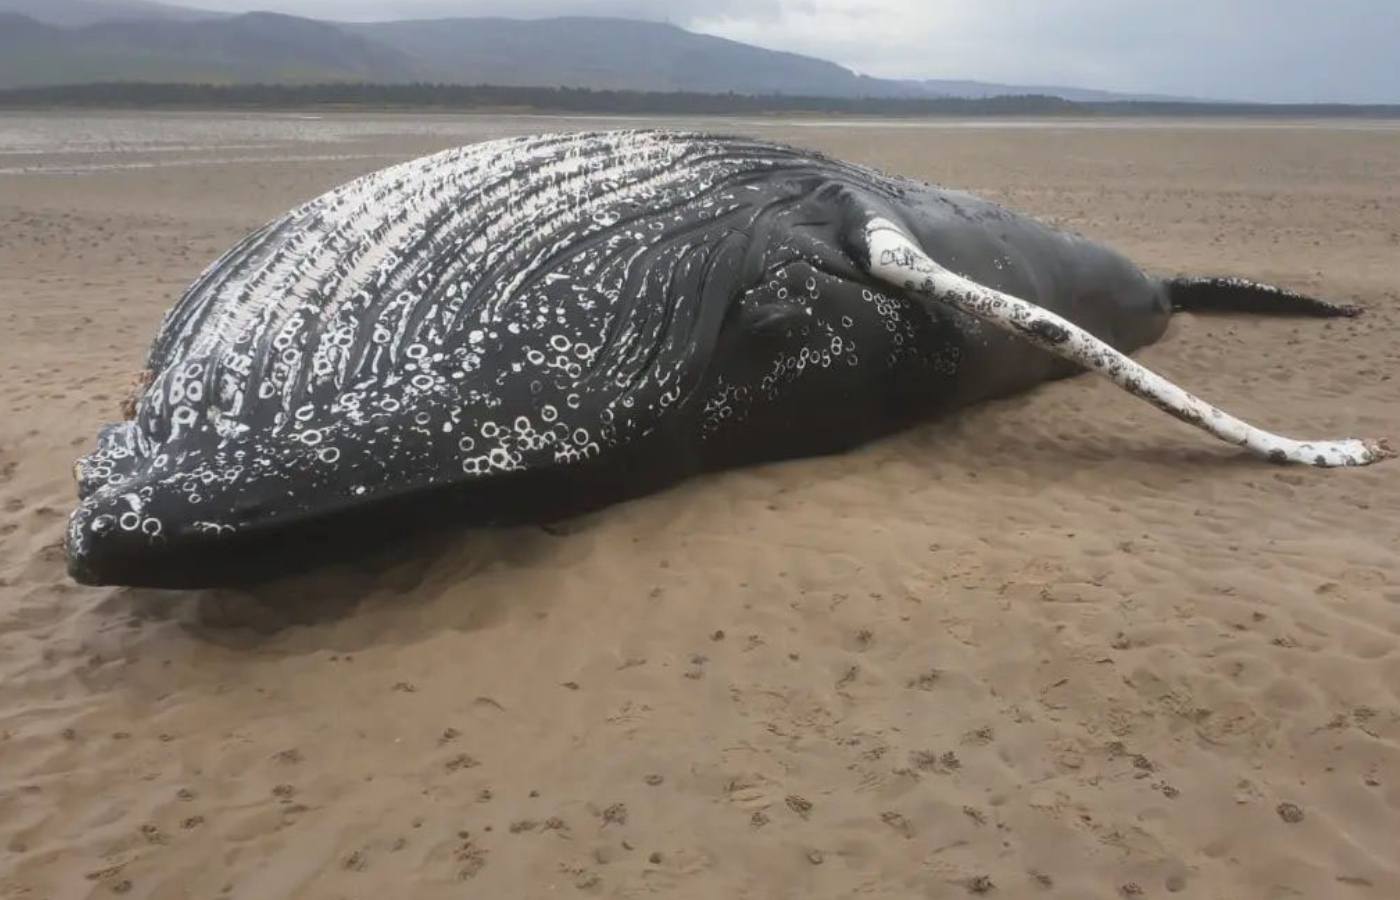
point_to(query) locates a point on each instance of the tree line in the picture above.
(457, 97)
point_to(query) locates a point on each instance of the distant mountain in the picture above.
(628, 54)
(982, 89)
(99, 40)
(70, 13)
(601, 53)
(255, 47)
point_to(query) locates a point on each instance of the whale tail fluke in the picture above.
(1241, 295)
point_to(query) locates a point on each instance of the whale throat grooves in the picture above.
(512, 306)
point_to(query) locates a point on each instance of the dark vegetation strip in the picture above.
(143, 95)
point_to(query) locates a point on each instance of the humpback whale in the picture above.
(517, 330)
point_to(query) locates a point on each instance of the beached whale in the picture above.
(525, 328)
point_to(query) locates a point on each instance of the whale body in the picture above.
(521, 329)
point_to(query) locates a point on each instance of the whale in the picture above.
(519, 330)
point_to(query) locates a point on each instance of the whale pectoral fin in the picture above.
(895, 258)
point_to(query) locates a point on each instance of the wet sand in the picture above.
(1060, 645)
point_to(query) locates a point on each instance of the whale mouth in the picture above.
(123, 539)
(79, 567)
(145, 533)
(114, 536)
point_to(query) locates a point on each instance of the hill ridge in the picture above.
(165, 43)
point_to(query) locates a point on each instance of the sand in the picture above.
(1057, 646)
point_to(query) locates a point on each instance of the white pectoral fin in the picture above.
(896, 259)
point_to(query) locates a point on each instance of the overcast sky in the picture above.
(1275, 50)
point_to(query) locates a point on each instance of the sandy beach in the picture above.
(1059, 645)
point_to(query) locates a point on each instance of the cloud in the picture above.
(1299, 50)
(1246, 49)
